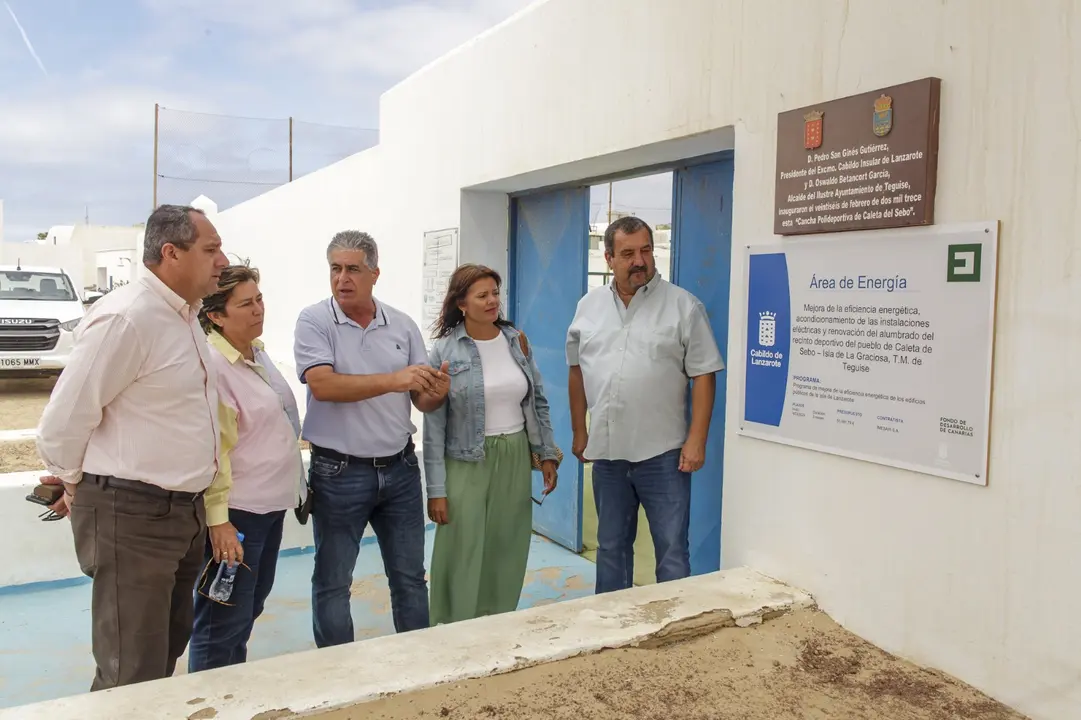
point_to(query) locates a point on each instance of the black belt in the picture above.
(355, 460)
(108, 481)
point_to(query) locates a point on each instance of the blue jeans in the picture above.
(657, 484)
(221, 632)
(345, 499)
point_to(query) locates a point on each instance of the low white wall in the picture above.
(317, 681)
(118, 265)
(70, 258)
(80, 254)
(940, 572)
(36, 551)
(96, 241)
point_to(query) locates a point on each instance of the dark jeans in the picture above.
(657, 484)
(221, 631)
(346, 498)
(143, 548)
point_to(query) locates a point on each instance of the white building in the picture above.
(974, 580)
(94, 256)
(205, 204)
(940, 572)
(57, 235)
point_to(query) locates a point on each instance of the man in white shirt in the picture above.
(132, 431)
(633, 348)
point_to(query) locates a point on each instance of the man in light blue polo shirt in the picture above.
(632, 348)
(364, 363)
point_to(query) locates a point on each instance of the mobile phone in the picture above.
(46, 494)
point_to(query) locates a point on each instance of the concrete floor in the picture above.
(45, 633)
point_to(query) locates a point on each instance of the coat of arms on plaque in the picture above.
(883, 117)
(812, 130)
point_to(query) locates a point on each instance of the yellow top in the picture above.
(216, 498)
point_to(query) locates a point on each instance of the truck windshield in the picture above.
(17, 285)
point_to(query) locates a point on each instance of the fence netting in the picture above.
(231, 159)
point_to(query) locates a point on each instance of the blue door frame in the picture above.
(548, 261)
(702, 264)
(549, 258)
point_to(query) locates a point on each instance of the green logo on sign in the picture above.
(963, 262)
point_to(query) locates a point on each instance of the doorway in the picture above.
(648, 197)
(556, 256)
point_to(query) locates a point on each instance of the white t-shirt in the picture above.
(505, 387)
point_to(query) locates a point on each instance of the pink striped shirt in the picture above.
(137, 399)
(260, 470)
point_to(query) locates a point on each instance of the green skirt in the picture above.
(480, 555)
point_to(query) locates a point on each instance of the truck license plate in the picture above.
(19, 362)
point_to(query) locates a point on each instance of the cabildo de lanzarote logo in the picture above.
(767, 338)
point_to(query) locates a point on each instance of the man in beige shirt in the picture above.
(132, 431)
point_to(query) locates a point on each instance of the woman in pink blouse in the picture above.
(260, 473)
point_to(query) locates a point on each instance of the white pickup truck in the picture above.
(39, 309)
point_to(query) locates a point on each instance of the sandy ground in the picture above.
(19, 455)
(21, 403)
(801, 666)
(22, 400)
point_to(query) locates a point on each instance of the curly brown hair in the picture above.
(231, 276)
(451, 315)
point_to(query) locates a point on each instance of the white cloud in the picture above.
(338, 36)
(80, 127)
(84, 136)
(66, 153)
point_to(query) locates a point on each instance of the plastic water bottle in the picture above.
(222, 587)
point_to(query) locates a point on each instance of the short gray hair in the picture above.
(628, 225)
(168, 225)
(356, 240)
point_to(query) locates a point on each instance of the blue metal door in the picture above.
(550, 251)
(702, 263)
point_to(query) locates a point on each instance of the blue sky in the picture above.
(80, 133)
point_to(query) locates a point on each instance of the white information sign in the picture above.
(440, 261)
(876, 346)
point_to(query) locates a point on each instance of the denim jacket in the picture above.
(456, 429)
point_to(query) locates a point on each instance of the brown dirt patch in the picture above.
(22, 400)
(19, 455)
(801, 666)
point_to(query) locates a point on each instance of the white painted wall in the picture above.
(289, 247)
(69, 257)
(58, 235)
(106, 243)
(114, 267)
(44, 552)
(79, 251)
(205, 204)
(976, 581)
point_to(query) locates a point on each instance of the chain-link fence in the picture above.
(231, 159)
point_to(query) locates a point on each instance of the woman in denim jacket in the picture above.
(478, 449)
